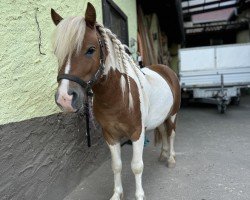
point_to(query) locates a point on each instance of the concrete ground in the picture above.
(213, 161)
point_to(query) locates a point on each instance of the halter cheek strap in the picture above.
(87, 86)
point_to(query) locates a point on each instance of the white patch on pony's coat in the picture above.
(173, 118)
(111, 62)
(160, 99)
(123, 85)
(64, 86)
(131, 102)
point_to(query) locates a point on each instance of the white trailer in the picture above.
(215, 74)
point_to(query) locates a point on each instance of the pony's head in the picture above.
(78, 50)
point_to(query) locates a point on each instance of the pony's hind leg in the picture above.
(171, 126)
(165, 147)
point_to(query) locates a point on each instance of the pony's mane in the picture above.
(68, 37)
(123, 58)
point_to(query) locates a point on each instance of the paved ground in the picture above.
(213, 161)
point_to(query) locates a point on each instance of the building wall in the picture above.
(174, 63)
(27, 78)
(46, 158)
(129, 8)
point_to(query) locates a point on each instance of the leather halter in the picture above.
(87, 85)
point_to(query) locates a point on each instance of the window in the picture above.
(115, 20)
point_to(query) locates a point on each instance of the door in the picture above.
(115, 19)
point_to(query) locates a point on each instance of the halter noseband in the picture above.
(87, 85)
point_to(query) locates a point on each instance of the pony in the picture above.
(127, 101)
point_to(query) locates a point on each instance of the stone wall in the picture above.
(45, 158)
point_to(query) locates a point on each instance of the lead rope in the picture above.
(89, 96)
(86, 112)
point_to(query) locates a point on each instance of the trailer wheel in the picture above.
(235, 101)
(222, 108)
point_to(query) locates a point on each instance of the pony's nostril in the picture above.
(70, 92)
(74, 99)
(74, 94)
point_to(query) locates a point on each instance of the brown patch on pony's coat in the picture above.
(112, 111)
(172, 80)
(170, 126)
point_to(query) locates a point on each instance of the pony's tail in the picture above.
(158, 136)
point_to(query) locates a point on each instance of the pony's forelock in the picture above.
(68, 37)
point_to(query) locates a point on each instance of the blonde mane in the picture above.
(122, 57)
(68, 37)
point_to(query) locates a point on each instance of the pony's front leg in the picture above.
(137, 165)
(117, 168)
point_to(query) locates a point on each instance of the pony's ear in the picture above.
(90, 16)
(55, 17)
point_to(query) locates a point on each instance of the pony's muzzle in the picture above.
(70, 101)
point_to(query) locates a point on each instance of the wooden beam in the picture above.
(217, 28)
(186, 15)
(202, 5)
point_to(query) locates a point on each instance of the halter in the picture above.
(87, 86)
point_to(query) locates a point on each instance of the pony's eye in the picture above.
(90, 51)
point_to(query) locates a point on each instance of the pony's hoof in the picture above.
(141, 198)
(163, 157)
(117, 196)
(171, 163)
